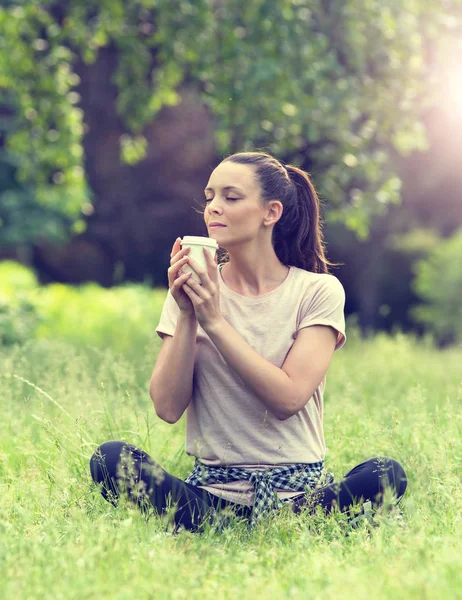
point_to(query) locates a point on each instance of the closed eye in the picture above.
(227, 198)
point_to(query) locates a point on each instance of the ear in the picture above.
(274, 213)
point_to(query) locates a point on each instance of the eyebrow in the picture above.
(227, 187)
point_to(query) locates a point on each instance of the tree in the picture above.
(335, 86)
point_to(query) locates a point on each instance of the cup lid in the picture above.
(199, 240)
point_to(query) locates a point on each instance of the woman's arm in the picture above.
(171, 383)
(284, 390)
(283, 394)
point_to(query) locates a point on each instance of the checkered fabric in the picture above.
(295, 478)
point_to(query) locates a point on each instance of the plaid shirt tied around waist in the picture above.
(295, 478)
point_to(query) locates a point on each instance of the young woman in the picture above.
(245, 353)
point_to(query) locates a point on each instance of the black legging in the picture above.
(122, 468)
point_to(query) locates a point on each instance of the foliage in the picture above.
(60, 539)
(18, 323)
(19, 317)
(121, 317)
(16, 278)
(337, 84)
(439, 283)
(22, 218)
(415, 243)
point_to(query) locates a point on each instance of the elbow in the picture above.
(286, 413)
(290, 409)
(170, 419)
(281, 417)
(291, 404)
(284, 416)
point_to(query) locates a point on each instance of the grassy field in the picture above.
(391, 396)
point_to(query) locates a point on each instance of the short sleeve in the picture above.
(326, 307)
(168, 317)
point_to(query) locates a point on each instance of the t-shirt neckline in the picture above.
(253, 299)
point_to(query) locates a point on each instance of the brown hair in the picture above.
(297, 235)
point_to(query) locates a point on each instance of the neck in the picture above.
(254, 275)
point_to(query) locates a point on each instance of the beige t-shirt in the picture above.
(226, 423)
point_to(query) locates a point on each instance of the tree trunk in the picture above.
(139, 210)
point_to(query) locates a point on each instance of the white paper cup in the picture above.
(197, 243)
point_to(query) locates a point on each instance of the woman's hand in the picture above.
(178, 258)
(205, 296)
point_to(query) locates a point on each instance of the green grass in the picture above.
(60, 539)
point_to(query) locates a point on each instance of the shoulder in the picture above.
(319, 292)
(315, 282)
(332, 283)
(323, 303)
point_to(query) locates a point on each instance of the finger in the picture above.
(188, 288)
(182, 263)
(178, 264)
(179, 281)
(175, 247)
(211, 267)
(182, 279)
(211, 262)
(196, 285)
(197, 267)
(179, 256)
(173, 271)
(177, 250)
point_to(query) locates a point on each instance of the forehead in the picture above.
(229, 174)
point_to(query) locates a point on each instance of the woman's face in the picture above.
(233, 199)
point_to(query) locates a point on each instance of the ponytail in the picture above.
(306, 247)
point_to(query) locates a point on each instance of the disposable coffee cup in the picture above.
(197, 243)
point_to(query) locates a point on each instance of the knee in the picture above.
(393, 472)
(104, 461)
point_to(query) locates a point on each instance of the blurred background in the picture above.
(113, 113)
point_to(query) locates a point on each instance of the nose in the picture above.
(212, 207)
